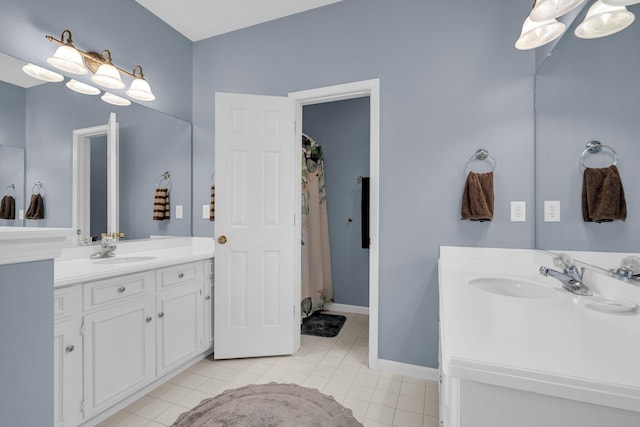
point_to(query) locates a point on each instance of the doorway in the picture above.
(370, 89)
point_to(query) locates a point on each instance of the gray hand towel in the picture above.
(477, 198)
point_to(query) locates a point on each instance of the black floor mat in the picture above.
(322, 325)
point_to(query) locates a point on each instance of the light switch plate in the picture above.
(518, 211)
(205, 211)
(178, 211)
(552, 211)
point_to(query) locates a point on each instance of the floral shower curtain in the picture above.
(316, 257)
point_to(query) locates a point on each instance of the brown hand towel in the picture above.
(161, 206)
(603, 195)
(8, 207)
(477, 198)
(212, 206)
(36, 207)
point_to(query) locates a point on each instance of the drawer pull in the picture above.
(149, 319)
(70, 348)
(180, 276)
(121, 289)
(161, 315)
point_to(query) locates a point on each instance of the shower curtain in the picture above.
(316, 257)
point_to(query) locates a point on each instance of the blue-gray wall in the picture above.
(588, 90)
(342, 129)
(450, 82)
(12, 172)
(26, 334)
(12, 115)
(132, 34)
(150, 144)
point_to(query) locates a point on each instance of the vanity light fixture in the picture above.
(110, 98)
(42, 73)
(83, 88)
(535, 34)
(544, 10)
(603, 20)
(620, 2)
(105, 73)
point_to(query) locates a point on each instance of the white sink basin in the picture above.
(124, 259)
(513, 287)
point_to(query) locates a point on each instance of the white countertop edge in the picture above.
(28, 244)
(598, 393)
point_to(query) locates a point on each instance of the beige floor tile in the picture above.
(407, 419)
(431, 407)
(135, 406)
(153, 409)
(412, 389)
(358, 407)
(372, 423)
(430, 421)
(315, 381)
(190, 380)
(213, 386)
(132, 420)
(361, 392)
(337, 386)
(169, 416)
(410, 403)
(388, 384)
(386, 398)
(380, 413)
(114, 419)
(194, 398)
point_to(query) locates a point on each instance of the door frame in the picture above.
(359, 89)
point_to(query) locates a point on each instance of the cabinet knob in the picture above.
(161, 315)
(222, 240)
(70, 348)
(121, 289)
(149, 319)
(208, 297)
(180, 276)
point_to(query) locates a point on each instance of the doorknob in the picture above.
(222, 240)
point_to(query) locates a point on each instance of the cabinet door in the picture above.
(119, 352)
(208, 313)
(180, 324)
(67, 373)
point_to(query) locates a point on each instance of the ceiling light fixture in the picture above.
(42, 73)
(544, 10)
(105, 73)
(535, 34)
(603, 20)
(83, 88)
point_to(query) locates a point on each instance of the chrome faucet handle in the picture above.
(563, 261)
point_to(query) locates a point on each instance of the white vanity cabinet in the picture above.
(179, 307)
(121, 336)
(208, 303)
(67, 356)
(119, 339)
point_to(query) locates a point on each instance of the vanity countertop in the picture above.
(554, 346)
(74, 266)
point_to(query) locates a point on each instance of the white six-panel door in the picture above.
(255, 226)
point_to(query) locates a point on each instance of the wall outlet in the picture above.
(518, 211)
(178, 211)
(21, 214)
(205, 211)
(552, 211)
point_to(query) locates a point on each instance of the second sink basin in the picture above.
(512, 287)
(124, 259)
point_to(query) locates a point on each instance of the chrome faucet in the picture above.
(571, 277)
(107, 247)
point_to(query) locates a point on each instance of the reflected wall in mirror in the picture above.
(11, 185)
(150, 143)
(588, 90)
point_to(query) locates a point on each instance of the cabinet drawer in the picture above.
(178, 275)
(66, 302)
(104, 292)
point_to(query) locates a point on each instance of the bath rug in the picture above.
(263, 405)
(322, 325)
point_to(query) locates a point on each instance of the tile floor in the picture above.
(335, 366)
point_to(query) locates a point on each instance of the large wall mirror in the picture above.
(588, 90)
(150, 143)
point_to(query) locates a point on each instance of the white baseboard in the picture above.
(344, 308)
(400, 368)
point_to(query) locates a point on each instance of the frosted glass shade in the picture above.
(140, 90)
(68, 59)
(108, 76)
(620, 2)
(603, 20)
(535, 34)
(114, 99)
(42, 73)
(545, 10)
(83, 88)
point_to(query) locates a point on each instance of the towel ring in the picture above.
(595, 147)
(165, 177)
(37, 187)
(10, 190)
(481, 154)
(212, 178)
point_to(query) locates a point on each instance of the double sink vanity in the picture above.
(517, 348)
(123, 324)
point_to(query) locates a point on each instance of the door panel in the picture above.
(255, 211)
